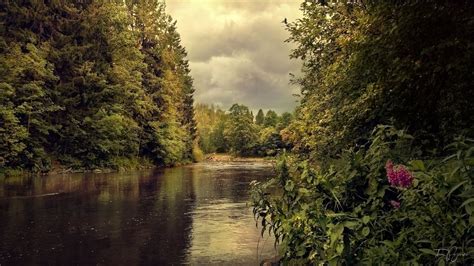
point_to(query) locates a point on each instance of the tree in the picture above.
(270, 142)
(260, 118)
(240, 132)
(27, 90)
(211, 122)
(285, 120)
(377, 62)
(93, 83)
(271, 119)
(171, 128)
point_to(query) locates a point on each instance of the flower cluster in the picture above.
(395, 204)
(398, 175)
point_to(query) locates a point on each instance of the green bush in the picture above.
(346, 211)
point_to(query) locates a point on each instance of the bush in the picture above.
(198, 155)
(376, 204)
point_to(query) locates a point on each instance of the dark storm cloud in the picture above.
(237, 51)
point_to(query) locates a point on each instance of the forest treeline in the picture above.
(382, 165)
(238, 131)
(92, 84)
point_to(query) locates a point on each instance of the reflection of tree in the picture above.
(170, 226)
(228, 181)
(109, 218)
(136, 218)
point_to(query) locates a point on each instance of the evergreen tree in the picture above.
(92, 83)
(27, 82)
(260, 118)
(171, 130)
(271, 119)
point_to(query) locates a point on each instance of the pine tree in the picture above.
(27, 86)
(92, 83)
(171, 130)
(260, 118)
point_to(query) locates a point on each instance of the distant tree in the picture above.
(210, 126)
(260, 118)
(271, 119)
(240, 132)
(285, 120)
(270, 142)
(217, 137)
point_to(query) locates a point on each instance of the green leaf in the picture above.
(454, 172)
(466, 202)
(300, 253)
(289, 185)
(365, 231)
(366, 219)
(303, 191)
(351, 224)
(456, 187)
(336, 233)
(448, 158)
(426, 241)
(418, 165)
(427, 251)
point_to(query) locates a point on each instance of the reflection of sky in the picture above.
(223, 231)
(223, 228)
(237, 51)
(195, 214)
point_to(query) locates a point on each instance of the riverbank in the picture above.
(129, 165)
(121, 165)
(225, 157)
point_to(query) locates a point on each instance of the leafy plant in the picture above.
(349, 211)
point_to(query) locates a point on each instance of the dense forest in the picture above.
(237, 131)
(382, 165)
(375, 165)
(87, 84)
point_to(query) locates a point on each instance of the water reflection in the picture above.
(193, 214)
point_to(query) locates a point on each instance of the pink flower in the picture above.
(395, 204)
(398, 175)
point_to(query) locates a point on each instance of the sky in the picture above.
(236, 51)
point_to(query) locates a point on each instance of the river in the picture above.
(195, 214)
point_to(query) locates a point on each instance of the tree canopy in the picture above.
(382, 165)
(92, 84)
(236, 131)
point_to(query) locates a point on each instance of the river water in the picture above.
(195, 214)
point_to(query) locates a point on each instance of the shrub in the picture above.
(376, 204)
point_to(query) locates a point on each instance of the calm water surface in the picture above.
(195, 214)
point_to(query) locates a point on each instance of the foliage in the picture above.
(92, 83)
(237, 132)
(210, 126)
(198, 155)
(271, 119)
(260, 118)
(407, 63)
(347, 212)
(240, 132)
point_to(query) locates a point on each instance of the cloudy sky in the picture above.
(237, 52)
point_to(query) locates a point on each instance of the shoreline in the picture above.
(60, 170)
(225, 157)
